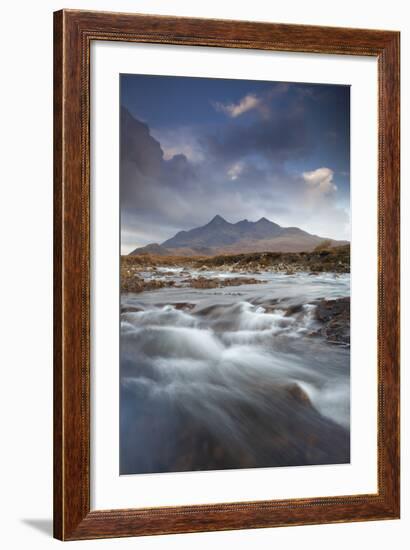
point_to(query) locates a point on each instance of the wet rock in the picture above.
(299, 395)
(334, 317)
(130, 309)
(293, 310)
(184, 306)
(236, 281)
(205, 282)
(135, 283)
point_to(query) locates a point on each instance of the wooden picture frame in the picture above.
(74, 32)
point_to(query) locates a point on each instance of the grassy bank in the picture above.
(336, 260)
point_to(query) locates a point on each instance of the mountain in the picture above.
(221, 237)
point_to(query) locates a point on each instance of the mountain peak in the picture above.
(217, 219)
(221, 237)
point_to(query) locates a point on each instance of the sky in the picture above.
(191, 148)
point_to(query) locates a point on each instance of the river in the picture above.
(232, 377)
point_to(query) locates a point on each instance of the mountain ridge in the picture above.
(219, 236)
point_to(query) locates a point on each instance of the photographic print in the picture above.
(235, 274)
(223, 208)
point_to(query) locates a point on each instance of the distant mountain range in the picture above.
(221, 237)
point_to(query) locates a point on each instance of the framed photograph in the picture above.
(226, 287)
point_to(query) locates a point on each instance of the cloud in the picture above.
(323, 212)
(149, 183)
(320, 180)
(138, 146)
(252, 101)
(179, 140)
(279, 133)
(247, 103)
(235, 170)
(277, 139)
(243, 174)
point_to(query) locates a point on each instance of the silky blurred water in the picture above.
(232, 377)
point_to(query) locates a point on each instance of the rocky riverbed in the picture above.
(147, 272)
(150, 272)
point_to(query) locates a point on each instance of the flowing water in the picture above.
(232, 377)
